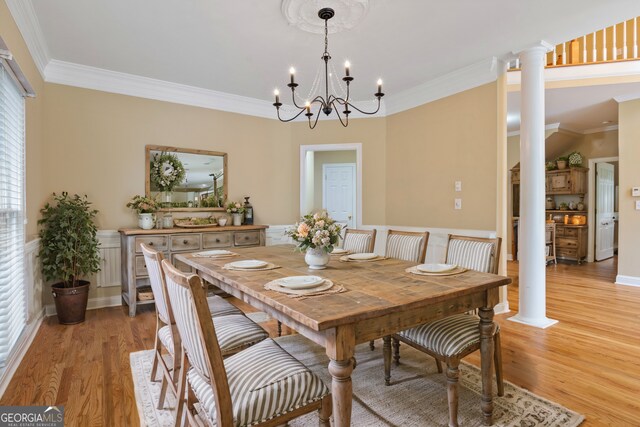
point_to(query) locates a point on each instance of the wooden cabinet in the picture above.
(171, 242)
(571, 242)
(567, 181)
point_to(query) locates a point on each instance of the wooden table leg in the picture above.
(340, 345)
(487, 329)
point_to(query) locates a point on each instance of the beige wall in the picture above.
(431, 146)
(96, 146)
(326, 158)
(34, 114)
(629, 219)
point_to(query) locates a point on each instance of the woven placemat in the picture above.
(346, 258)
(414, 270)
(269, 266)
(231, 255)
(328, 287)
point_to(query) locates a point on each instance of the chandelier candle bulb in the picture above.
(277, 94)
(292, 71)
(346, 68)
(379, 85)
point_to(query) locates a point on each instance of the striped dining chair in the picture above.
(235, 331)
(359, 241)
(407, 246)
(452, 338)
(262, 385)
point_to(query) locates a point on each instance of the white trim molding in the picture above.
(27, 21)
(457, 81)
(627, 280)
(591, 204)
(587, 71)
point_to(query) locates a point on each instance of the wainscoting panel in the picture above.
(109, 274)
(33, 281)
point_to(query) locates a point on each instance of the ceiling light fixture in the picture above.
(327, 103)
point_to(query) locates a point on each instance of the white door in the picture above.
(605, 224)
(339, 192)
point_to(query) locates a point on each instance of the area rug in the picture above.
(416, 398)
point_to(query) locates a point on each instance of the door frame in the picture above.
(591, 205)
(325, 166)
(357, 146)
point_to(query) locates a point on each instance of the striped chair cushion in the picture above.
(157, 287)
(447, 337)
(470, 254)
(264, 381)
(234, 333)
(404, 247)
(357, 242)
(218, 306)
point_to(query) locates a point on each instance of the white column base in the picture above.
(541, 323)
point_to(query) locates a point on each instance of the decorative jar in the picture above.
(237, 218)
(316, 258)
(146, 221)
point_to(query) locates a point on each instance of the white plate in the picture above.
(436, 268)
(300, 282)
(248, 264)
(215, 252)
(339, 251)
(366, 255)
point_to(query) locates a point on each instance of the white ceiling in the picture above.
(246, 47)
(579, 109)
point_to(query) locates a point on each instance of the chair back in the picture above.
(359, 241)
(475, 253)
(153, 260)
(199, 341)
(407, 245)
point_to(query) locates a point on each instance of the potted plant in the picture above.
(561, 162)
(146, 207)
(236, 210)
(575, 159)
(69, 252)
(316, 234)
(550, 166)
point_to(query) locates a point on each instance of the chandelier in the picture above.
(327, 103)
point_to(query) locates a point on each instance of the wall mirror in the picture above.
(186, 179)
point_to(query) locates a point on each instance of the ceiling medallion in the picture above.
(303, 14)
(326, 103)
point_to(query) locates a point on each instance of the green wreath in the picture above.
(167, 171)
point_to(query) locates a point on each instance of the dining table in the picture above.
(380, 298)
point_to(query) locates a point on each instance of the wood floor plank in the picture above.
(589, 361)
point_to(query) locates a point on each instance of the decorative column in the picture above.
(531, 234)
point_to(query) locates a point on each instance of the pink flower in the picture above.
(320, 223)
(303, 230)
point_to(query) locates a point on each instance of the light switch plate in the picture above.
(635, 192)
(458, 185)
(638, 205)
(457, 204)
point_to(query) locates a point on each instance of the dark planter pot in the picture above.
(71, 303)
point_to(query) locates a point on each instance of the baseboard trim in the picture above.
(509, 257)
(19, 351)
(627, 280)
(501, 308)
(93, 304)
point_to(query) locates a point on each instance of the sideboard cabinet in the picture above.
(173, 241)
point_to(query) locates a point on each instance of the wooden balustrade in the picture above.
(616, 43)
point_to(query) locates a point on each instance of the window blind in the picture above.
(12, 162)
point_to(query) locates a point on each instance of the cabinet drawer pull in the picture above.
(246, 237)
(150, 243)
(185, 241)
(217, 240)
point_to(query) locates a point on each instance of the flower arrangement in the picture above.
(142, 204)
(167, 171)
(235, 208)
(316, 230)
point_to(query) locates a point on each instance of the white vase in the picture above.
(237, 219)
(316, 258)
(146, 221)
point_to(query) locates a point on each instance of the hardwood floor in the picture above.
(589, 361)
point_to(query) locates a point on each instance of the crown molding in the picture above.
(627, 97)
(87, 77)
(600, 129)
(550, 126)
(26, 19)
(457, 81)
